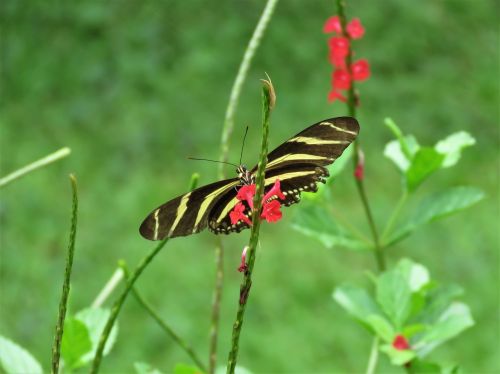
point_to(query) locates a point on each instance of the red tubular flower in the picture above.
(336, 95)
(400, 343)
(360, 70)
(274, 191)
(247, 193)
(355, 29)
(341, 80)
(332, 24)
(339, 47)
(271, 211)
(237, 214)
(243, 266)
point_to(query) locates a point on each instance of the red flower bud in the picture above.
(355, 29)
(339, 47)
(400, 343)
(332, 24)
(341, 80)
(360, 70)
(243, 265)
(336, 95)
(359, 172)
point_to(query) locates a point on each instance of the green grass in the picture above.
(133, 88)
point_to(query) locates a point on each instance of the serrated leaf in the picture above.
(452, 147)
(394, 152)
(14, 359)
(394, 296)
(425, 162)
(186, 369)
(145, 368)
(398, 357)
(437, 206)
(453, 321)
(315, 221)
(381, 326)
(95, 319)
(75, 343)
(356, 301)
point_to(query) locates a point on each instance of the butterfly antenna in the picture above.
(243, 145)
(206, 159)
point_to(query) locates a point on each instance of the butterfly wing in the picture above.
(186, 214)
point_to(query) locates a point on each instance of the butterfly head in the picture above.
(244, 175)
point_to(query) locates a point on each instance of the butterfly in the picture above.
(299, 164)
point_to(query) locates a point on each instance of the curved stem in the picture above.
(56, 348)
(119, 303)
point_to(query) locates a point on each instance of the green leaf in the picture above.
(315, 221)
(14, 359)
(381, 326)
(398, 357)
(404, 146)
(452, 147)
(437, 206)
(95, 320)
(356, 301)
(75, 343)
(452, 322)
(394, 296)
(438, 300)
(145, 368)
(426, 161)
(237, 370)
(425, 367)
(394, 152)
(416, 275)
(339, 165)
(186, 369)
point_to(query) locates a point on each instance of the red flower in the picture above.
(360, 70)
(359, 172)
(274, 191)
(332, 24)
(237, 214)
(336, 95)
(341, 80)
(400, 343)
(355, 29)
(339, 47)
(243, 266)
(247, 193)
(271, 211)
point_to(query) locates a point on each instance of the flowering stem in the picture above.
(226, 134)
(119, 303)
(56, 348)
(182, 343)
(268, 98)
(63, 152)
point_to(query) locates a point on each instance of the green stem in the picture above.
(108, 288)
(63, 152)
(354, 231)
(268, 99)
(227, 130)
(182, 343)
(119, 303)
(393, 218)
(56, 347)
(372, 361)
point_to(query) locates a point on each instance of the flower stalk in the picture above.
(268, 100)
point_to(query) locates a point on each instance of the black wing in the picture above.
(186, 214)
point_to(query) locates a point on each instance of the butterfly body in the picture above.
(299, 164)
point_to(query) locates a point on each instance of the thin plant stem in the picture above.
(108, 288)
(56, 348)
(268, 100)
(63, 152)
(394, 216)
(339, 217)
(372, 361)
(119, 303)
(227, 130)
(165, 327)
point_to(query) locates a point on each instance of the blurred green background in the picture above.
(133, 88)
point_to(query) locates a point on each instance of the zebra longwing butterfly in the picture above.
(299, 164)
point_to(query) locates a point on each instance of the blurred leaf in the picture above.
(452, 147)
(417, 275)
(438, 301)
(394, 152)
(315, 221)
(394, 296)
(437, 206)
(145, 368)
(95, 320)
(186, 369)
(398, 357)
(381, 326)
(14, 359)
(237, 370)
(426, 161)
(339, 165)
(411, 330)
(405, 149)
(75, 343)
(425, 367)
(356, 301)
(452, 322)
